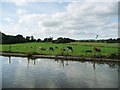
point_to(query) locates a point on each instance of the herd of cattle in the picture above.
(53, 49)
(68, 48)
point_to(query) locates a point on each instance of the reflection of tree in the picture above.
(95, 78)
(28, 61)
(62, 62)
(67, 62)
(94, 65)
(85, 65)
(57, 60)
(10, 59)
(34, 61)
(113, 65)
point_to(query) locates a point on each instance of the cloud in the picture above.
(21, 11)
(7, 19)
(61, 1)
(17, 2)
(51, 24)
(79, 20)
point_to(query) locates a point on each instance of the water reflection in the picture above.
(62, 63)
(66, 62)
(33, 72)
(28, 61)
(94, 65)
(34, 61)
(31, 59)
(10, 61)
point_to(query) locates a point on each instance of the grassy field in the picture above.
(79, 48)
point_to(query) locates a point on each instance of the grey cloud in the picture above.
(51, 23)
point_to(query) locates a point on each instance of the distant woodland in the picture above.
(10, 39)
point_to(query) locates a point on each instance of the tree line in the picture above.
(103, 40)
(10, 39)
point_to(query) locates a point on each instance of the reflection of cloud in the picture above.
(39, 60)
(22, 78)
(47, 73)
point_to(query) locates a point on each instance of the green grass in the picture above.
(79, 48)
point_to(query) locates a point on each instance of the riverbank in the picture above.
(75, 58)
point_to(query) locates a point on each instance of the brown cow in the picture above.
(97, 49)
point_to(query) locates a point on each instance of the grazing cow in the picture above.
(97, 49)
(88, 51)
(56, 47)
(42, 48)
(69, 47)
(51, 49)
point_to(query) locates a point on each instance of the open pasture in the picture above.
(79, 48)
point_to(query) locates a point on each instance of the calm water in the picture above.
(18, 72)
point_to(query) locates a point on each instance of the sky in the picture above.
(83, 19)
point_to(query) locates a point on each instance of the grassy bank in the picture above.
(109, 50)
